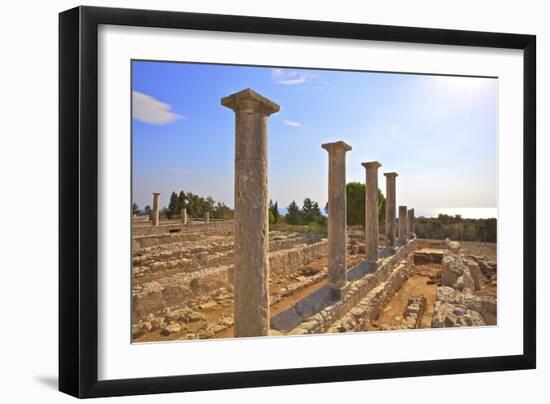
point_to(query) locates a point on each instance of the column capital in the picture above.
(391, 175)
(156, 193)
(250, 100)
(336, 146)
(371, 164)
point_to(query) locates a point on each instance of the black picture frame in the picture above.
(78, 201)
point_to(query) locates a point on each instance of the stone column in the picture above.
(371, 210)
(251, 226)
(403, 225)
(410, 219)
(156, 209)
(207, 217)
(390, 208)
(184, 215)
(337, 220)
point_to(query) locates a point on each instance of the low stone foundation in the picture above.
(369, 288)
(175, 227)
(150, 297)
(191, 235)
(458, 304)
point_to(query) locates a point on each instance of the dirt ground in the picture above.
(416, 285)
(422, 282)
(225, 309)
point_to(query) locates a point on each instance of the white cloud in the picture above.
(291, 77)
(150, 110)
(288, 122)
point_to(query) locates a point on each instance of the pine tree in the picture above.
(316, 212)
(307, 211)
(276, 213)
(172, 206)
(273, 212)
(293, 215)
(135, 209)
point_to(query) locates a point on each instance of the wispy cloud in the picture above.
(291, 77)
(150, 110)
(289, 122)
(179, 170)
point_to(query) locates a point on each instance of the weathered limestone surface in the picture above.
(390, 208)
(368, 308)
(403, 236)
(410, 218)
(251, 212)
(428, 256)
(204, 272)
(318, 312)
(184, 215)
(156, 209)
(457, 304)
(456, 309)
(207, 217)
(337, 228)
(150, 235)
(371, 210)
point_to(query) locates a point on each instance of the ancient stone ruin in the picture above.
(207, 278)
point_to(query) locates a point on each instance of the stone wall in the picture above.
(459, 302)
(196, 233)
(369, 289)
(178, 227)
(175, 289)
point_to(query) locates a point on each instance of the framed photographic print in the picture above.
(251, 201)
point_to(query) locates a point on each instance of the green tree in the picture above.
(173, 205)
(307, 211)
(273, 211)
(147, 210)
(135, 209)
(381, 207)
(181, 201)
(355, 194)
(293, 215)
(221, 211)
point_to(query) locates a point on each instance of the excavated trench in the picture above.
(183, 287)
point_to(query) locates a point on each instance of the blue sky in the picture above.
(439, 133)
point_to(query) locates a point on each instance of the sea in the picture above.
(466, 213)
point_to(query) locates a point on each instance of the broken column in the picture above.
(251, 227)
(337, 221)
(403, 237)
(410, 219)
(371, 210)
(390, 208)
(207, 217)
(184, 215)
(156, 209)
